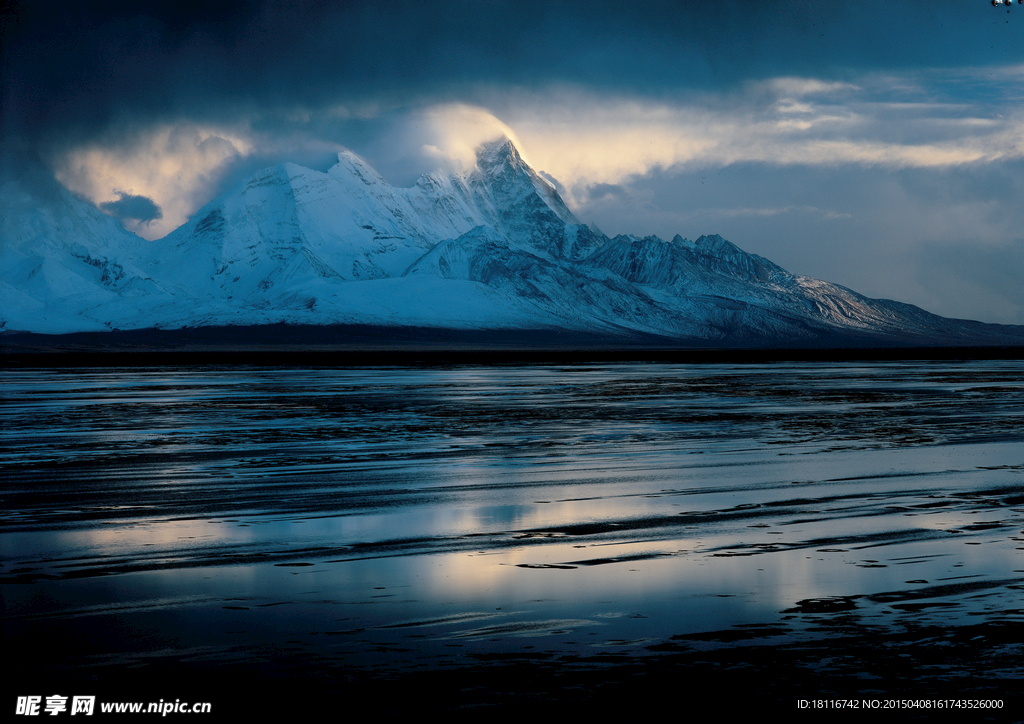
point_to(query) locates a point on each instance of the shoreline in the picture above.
(366, 346)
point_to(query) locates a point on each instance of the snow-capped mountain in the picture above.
(64, 265)
(493, 249)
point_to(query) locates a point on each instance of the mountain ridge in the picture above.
(495, 248)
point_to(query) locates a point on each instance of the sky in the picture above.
(875, 144)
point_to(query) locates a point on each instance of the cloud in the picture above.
(457, 130)
(182, 165)
(73, 70)
(601, 190)
(583, 138)
(173, 165)
(776, 210)
(792, 87)
(408, 142)
(132, 208)
(592, 146)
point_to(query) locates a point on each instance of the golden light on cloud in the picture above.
(578, 137)
(168, 164)
(590, 140)
(453, 132)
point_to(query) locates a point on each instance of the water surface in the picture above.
(375, 524)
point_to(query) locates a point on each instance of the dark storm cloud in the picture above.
(596, 191)
(72, 70)
(131, 207)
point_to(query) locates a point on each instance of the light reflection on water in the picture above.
(446, 511)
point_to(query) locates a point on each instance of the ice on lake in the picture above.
(372, 524)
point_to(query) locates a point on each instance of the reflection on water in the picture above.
(399, 519)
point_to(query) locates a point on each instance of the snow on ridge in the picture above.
(492, 248)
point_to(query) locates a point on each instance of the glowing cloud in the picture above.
(586, 140)
(170, 165)
(438, 137)
(457, 130)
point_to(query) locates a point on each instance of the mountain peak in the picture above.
(498, 152)
(351, 165)
(513, 183)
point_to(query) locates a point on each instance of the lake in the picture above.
(583, 537)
